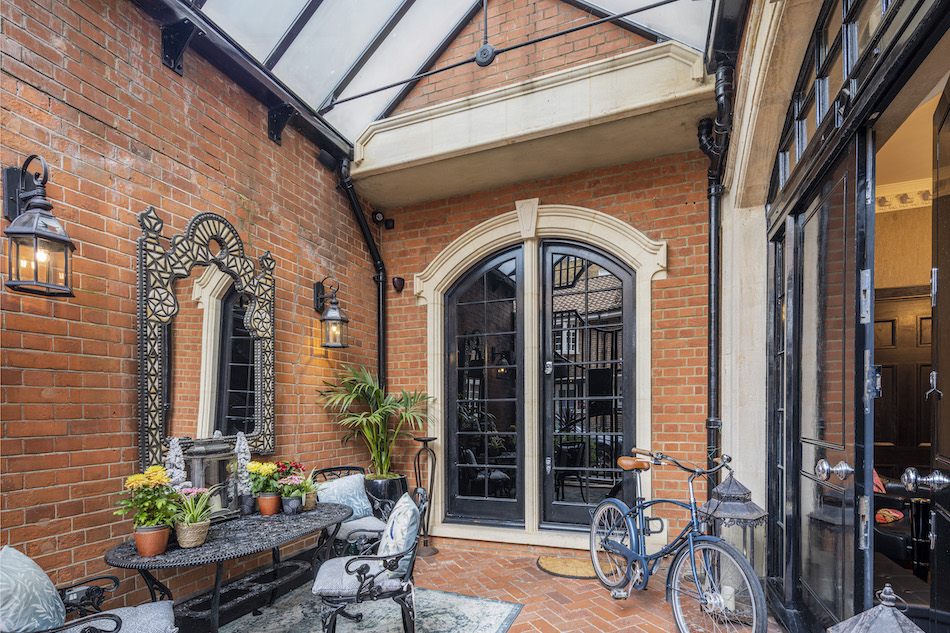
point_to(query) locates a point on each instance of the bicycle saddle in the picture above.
(632, 463)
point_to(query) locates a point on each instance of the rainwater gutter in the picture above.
(342, 169)
(714, 141)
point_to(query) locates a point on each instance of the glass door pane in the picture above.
(588, 388)
(484, 342)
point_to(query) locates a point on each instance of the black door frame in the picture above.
(550, 515)
(919, 25)
(484, 511)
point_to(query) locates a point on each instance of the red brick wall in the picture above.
(665, 198)
(83, 85)
(511, 22)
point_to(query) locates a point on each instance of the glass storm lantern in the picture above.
(335, 325)
(737, 519)
(38, 256)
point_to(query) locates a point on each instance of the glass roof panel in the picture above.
(256, 26)
(399, 57)
(329, 44)
(685, 21)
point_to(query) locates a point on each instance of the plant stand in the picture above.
(425, 549)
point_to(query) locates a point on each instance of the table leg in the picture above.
(275, 554)
(216, 596)
(322, 551)
(153, 583)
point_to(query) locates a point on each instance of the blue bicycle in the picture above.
(710, 585)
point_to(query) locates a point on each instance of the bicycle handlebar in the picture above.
(660, 458)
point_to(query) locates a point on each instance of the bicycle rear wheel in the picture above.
(723, 595)
(609, 524)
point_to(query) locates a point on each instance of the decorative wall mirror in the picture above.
(205, 339)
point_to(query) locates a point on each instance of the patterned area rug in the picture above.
(436, 612)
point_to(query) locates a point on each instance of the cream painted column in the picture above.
(530, 223)
(744, 345)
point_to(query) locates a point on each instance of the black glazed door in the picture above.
(588, 366)
(833, 412)
(485, 413)
(940, 451)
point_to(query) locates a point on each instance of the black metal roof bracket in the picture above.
(277, 118)
(175, 39)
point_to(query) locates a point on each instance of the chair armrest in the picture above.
(116, 620)
(87, 596)
(363, 541)
(366, 573)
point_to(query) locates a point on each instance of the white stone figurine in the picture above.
(175, 465)
(243, 453)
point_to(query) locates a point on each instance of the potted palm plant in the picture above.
(378, 418)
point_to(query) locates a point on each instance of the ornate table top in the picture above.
(234, 538)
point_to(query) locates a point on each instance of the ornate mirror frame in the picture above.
(157, 306)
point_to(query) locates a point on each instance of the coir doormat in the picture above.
(567, 567)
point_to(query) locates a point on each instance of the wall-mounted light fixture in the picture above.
(38, 257)
(335, 325)
(399, 283)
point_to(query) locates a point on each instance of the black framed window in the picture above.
(236, 404)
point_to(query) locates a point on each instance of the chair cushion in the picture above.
(370, 523)
(349, 491)
(402, 530)
(332, 581)
(28, 599)
(151, 617)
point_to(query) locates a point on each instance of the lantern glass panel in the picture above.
(22, 262)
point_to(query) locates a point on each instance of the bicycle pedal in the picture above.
(619, 594)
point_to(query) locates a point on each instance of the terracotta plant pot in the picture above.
(310, 501)
(192, 535)
(269, 502)
(152, 540)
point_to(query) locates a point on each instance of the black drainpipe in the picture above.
(714, 141)
(346, 184)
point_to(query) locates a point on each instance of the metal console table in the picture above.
(233, 539)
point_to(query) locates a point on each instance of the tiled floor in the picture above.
(551, 604)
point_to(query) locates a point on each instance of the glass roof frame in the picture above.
(400, 40)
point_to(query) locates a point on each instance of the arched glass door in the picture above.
(485, 415)
(588, 361)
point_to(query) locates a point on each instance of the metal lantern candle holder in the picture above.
(737, 519)
(211, 466)
(426, 549)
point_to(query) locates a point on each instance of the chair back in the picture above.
(335, 472)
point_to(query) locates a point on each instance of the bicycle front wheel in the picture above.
(716, 590)
(609, 524)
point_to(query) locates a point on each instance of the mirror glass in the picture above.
(206, 338)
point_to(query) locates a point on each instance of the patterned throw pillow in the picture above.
(402, 530)
(349, 491)
(28, 599)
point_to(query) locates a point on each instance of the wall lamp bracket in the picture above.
(335, 325)
(38, 257)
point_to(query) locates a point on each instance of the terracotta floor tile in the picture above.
(551, 604)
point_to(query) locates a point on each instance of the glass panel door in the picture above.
(484, 343)
(588, 417)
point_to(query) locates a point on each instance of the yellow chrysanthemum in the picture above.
(134, 482)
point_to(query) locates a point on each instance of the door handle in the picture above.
(548, 367)
(912, 479)
(824, 470)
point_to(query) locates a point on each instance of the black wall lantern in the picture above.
(335, 325)
(38, 257)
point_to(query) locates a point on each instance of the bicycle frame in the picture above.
(638, 527)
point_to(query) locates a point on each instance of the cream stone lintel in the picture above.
(644, 80)
(528, 225)
(208, 291)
